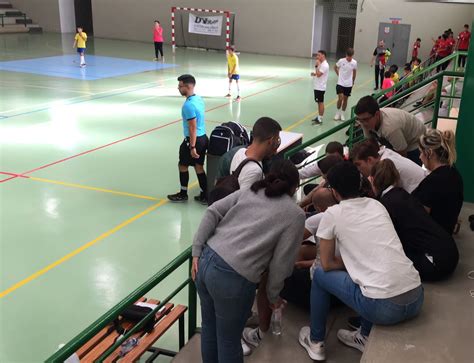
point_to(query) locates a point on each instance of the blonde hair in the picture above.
(384, 174)
(442, 143)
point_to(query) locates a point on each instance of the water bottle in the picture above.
(276, 321)
(127, 346)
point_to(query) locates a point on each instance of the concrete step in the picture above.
(34, 28)
(5, 6)
(15, 28)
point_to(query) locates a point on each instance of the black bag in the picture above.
(227, 136)
(228, 184)
(135, 313)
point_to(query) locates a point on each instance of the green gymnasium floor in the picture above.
(85, 168)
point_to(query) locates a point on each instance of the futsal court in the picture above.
(88, 156)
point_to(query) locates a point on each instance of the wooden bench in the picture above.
(444, 330)
(103, 340)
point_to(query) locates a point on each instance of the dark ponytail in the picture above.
(282, 179)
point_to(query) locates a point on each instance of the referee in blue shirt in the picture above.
(192, 151)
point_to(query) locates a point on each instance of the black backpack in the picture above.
(228, 184)
(227, 136)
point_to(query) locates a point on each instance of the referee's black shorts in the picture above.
(185, 157)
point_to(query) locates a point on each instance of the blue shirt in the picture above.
(194, 108)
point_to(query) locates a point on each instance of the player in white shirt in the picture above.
(320, 81)
(346, 70)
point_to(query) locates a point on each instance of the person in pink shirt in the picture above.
(158, 39)
(387, 83)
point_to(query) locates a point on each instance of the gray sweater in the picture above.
(254, 233)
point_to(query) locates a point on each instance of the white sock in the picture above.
(238, 90)
(83, 61)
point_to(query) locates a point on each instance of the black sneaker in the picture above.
(354, 322)
(317, 121)
(178, 197)
(201, 198)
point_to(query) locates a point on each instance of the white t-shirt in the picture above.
(250, 173)
(320, 83)
(309, 171)
(345, 72)
(411, 174)
(370, 248)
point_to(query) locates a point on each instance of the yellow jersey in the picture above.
(81, 41)
(395, 77)
(232, 63)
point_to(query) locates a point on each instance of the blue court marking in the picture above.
(67, 66)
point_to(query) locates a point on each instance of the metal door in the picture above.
(396, 38)
(345, 35)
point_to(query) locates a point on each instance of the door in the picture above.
(84, 15)
(345, 35)
(396, 38)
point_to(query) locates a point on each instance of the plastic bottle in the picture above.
(128, 345)
(276, 321)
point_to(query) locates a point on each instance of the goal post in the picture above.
(201, 39)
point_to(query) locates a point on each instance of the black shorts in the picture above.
(319, 96)
(185, 157)
(346, 91)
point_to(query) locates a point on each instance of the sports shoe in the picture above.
(178, 197)
(376, 88)
(316, 351)
(237, 98)
(155, 59)
(353, 339)
(82, 65)
(201, 198)
(353, 322)
(252, 336)
(228, 95)
(337, 117)
(341, 117)
(245, 348)
(317, 120)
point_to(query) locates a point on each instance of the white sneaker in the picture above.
(245, 348)
(341, 116)
(83, 65)
(353, 339)
(252, 337)
(316, 351)
(337, 117)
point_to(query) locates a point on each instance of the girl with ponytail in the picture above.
(432, 250)
(441, 192)
(241, 237)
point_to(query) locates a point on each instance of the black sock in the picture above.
(202, 183)
(184, 180)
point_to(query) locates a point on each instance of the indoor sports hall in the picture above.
(93, 244)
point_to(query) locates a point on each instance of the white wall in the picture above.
(67, 16)
(427, 20)
(317, 27)
(280, 27)
(43, 12)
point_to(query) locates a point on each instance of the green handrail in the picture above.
(351, 122)
(83, 337)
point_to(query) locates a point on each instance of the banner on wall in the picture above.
(207, 25)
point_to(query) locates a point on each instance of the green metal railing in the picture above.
(83, 337)
(426, 72)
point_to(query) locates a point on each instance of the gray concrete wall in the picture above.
(43, 12)
(427, 20)
(264, 26)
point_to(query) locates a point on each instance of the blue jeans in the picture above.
(226, 304)
(372, 311)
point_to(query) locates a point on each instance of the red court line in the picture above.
(145, 132)
(14, 174)
(7, 179)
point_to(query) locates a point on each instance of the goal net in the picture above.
(201, 28)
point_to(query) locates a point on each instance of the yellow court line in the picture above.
(334, 101)
(85, 246)
(72, 185)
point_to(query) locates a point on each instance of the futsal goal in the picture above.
(201, 28)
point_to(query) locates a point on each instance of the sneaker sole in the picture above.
(250, 344)
(351, 344)
(177, 201)
(311, 354)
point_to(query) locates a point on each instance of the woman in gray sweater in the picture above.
(240, 237)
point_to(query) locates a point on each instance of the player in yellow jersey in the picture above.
(80, 41)
(233, 70)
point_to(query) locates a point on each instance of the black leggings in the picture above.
(379, 72)
(158, 48)
(438, 270)
(462, 61)
(442, 66)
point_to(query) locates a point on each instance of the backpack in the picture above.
(225, 161)
(227, 136)
(229, 183)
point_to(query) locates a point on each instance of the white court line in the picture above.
(45, 87)
(141, 100)
(51, 104)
